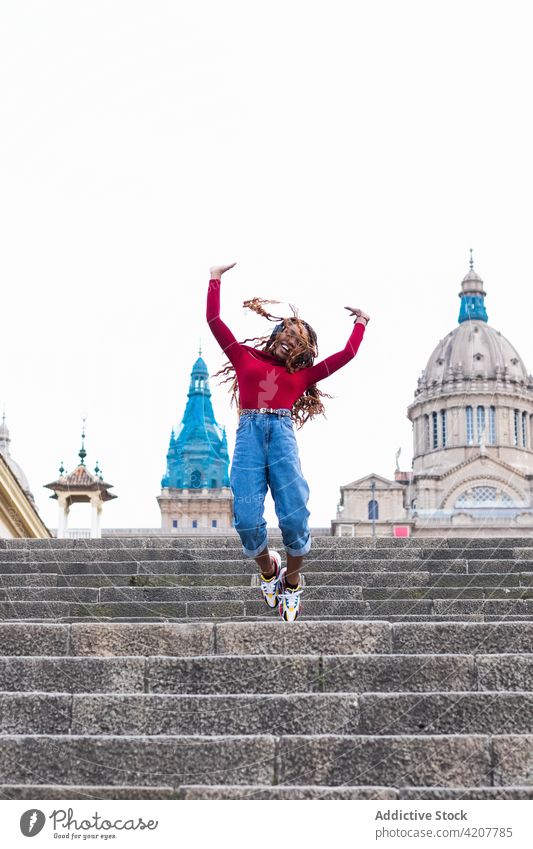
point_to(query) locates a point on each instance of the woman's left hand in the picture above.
(359, 313)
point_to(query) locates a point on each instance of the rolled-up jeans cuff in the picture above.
(248, 553)
(300, 551)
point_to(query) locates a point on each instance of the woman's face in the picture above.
(284, 342)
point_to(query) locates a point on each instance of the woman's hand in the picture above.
(359, 313)
(216, 271)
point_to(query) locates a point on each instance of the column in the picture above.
(95, 518)
(62, 516)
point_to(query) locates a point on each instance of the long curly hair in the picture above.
(303, 351)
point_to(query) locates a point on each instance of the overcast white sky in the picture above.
(340, 152)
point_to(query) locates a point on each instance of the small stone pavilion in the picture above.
(80, 486)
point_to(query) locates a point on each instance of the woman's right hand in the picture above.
(216, 271)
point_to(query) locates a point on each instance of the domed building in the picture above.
(472, 418)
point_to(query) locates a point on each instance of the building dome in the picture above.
(475, 350)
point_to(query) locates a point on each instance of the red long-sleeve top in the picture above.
(262, 379)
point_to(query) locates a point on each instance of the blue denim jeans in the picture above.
(266, 454)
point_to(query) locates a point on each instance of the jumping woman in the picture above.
(276, 385)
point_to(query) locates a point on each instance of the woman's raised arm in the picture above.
(221, 331)
(335, 361)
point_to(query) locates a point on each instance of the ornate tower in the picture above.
(195, 490)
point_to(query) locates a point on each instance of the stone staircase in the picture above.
(149, 668)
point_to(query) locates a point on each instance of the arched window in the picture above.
(524, 430)
(196, 478)
(213, 482)
(195, 523)
(469, 426)
(515, 429)
(443, 426)
(373, 509)
(480, 423)
(435, 430)
(492, 425)
(213, 523)
(484, 496)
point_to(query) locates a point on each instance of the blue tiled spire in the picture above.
(198, 456)
(472, 296)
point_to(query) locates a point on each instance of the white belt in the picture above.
(268, 410)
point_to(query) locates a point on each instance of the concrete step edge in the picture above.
(140, 791)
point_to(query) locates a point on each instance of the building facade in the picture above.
(472, 418)
(18, 512)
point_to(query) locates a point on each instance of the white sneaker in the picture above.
(290, 602)
(270, 586)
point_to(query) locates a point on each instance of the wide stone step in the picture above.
(238, 566)
(143, 714)
(346, 637)
(231, 540)
(212, 543)
(220, 555)
(217, 674)
(331, 760)
(258, 791)
(376, 579)
(261, 674)
(210, 593)
(205, 555)
(316, 592)
(264, 617)
(369, 579)
(235, 609)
